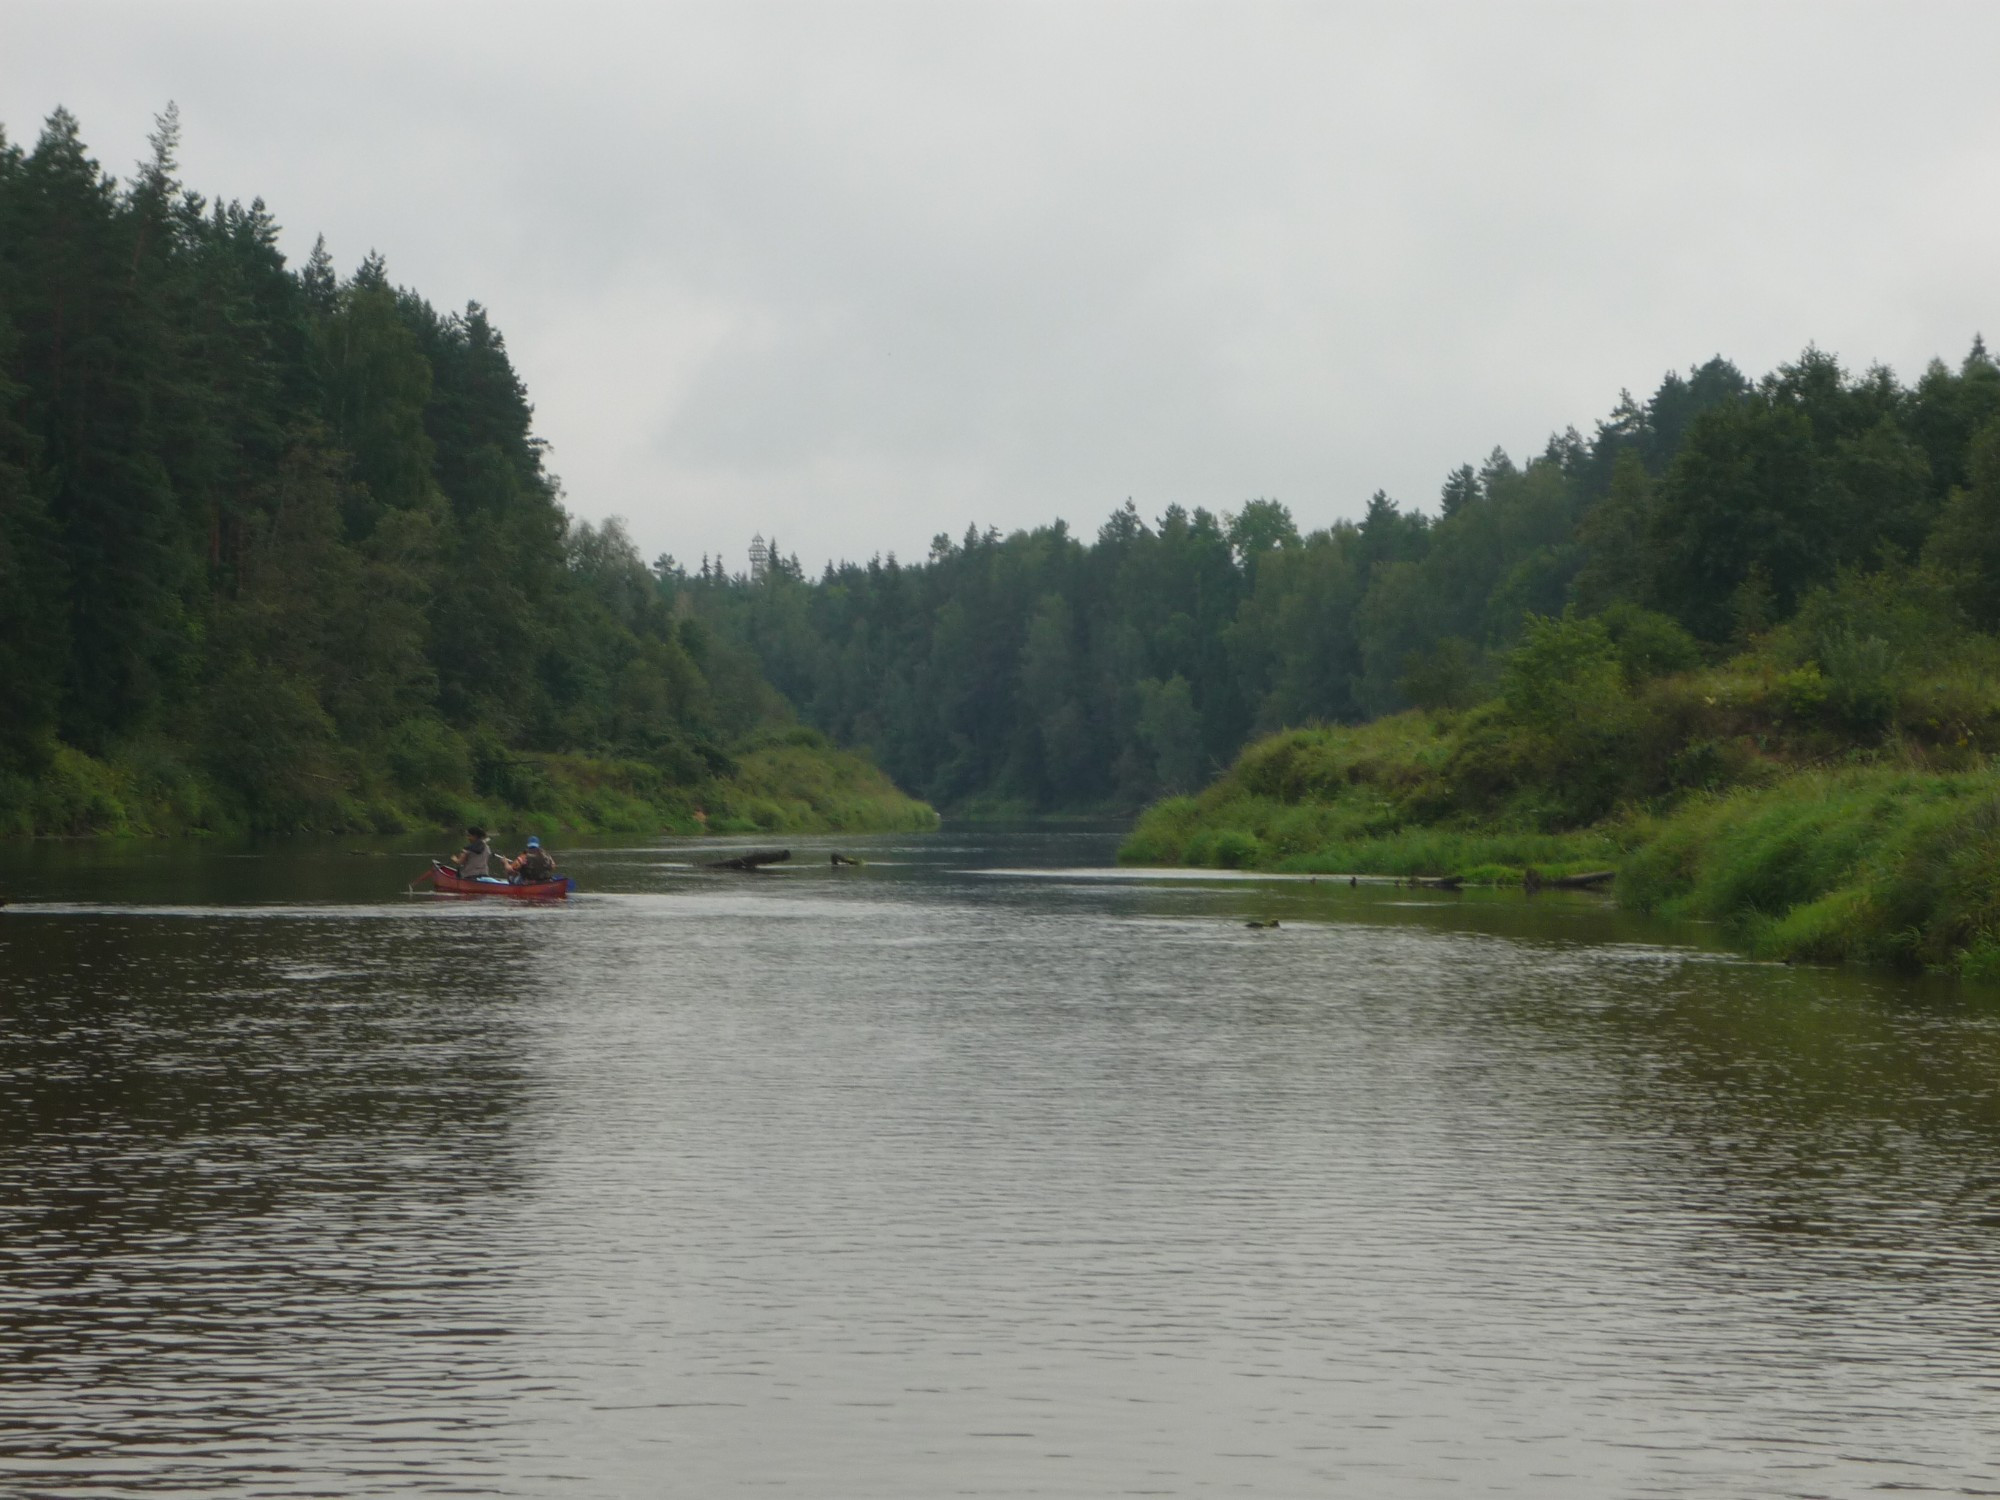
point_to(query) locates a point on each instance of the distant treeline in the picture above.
(1052, 672)
(278, 548)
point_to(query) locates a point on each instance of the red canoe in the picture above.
(445, 881)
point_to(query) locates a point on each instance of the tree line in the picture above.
(273, 539)
(277, 542)
(1048, 671)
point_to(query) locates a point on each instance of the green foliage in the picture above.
(278, 551)
(793, 780)
(1965, 546)
(79, 795)
(1169, 728)
(1564, 672)
(377, 384)
(1613, 536)
(1261, 526)
(267, 741)
(1224, 849)
(1649, 644)
(1865, 638)
(1883, 861)
(1445, 676)
(1038, 671)
(32, 636)
(1741, 513)
(1980, 963)
(1163, 832)
(1875, 865)
(1249, 832)
(1860, 680)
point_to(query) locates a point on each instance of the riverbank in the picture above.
(1725, 795)
(786, 781)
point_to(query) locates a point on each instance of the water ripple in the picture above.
(927, 1182)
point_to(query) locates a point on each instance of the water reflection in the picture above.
(255, 1213)
(914, 1179)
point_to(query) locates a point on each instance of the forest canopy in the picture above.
(278, 547)
(1043, 670)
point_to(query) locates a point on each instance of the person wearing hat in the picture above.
(474, 860)
(534, 865)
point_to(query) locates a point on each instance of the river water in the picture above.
(974, 1171)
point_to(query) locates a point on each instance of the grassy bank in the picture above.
(1354, 801)
(787, 781)
(1881, 864)
(1850, 814)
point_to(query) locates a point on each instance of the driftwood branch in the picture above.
(752, 860)
(1534, 880)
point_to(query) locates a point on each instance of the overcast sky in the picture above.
(857, 274)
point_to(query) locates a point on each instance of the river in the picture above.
(978, 1170)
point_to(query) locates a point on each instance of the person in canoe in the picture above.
(475, 860)
(534, 865)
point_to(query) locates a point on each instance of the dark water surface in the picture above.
(968, 1173)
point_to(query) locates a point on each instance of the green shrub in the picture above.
(1488, 764)
(1908, 611)
(1647, 644)
(164, 794)
(17, 806)
(428, 755)
(1706, 765)
(1958, 709)
(1700, 790)
(1801, 694)
(270, 747)
(1162, 833)
(1827, 930)
(1234, 849)
(78, 794)
(1446, 676)
(1564, 673)
(518, 781)
(1861, 678)
(1980, 963)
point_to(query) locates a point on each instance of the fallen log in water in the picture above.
(839, 859)
(752, 860)
(1440, 883)
(1534, 880)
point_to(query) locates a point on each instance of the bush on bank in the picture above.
(785, 781)
(1828, 795)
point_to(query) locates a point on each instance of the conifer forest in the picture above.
(1046, 670)
(279, 550)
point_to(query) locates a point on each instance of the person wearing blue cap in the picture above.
(534, 865)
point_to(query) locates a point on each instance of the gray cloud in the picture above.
(859, 274)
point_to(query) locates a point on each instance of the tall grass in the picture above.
(1890, 857)
(1871, 864)
(798, 785)
(791, 781)
(1359, 836)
